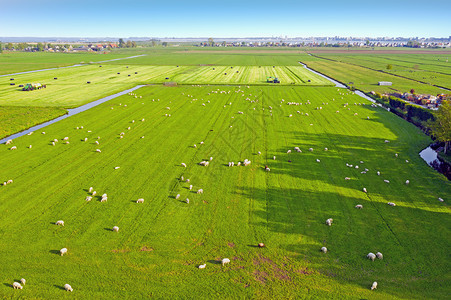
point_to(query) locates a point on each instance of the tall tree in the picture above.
(211, 42)
(40, 46)
(121, 43)
(441, 126)
(133, 44)
(129, 44)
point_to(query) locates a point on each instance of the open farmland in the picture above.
(162, 241)
(71, 87)
(425, 73)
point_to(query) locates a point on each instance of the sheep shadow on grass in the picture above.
(59, 287)
(57, 252)
(215, 262)
(8, 285)
(108, 229)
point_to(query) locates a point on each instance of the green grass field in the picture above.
(71, 88)
(408, 70)
(162, 241)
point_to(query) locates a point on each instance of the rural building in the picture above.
(385, 83)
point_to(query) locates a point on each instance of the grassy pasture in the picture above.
(429, 68)
(367, 80)
(71, 88)
(14, 62)
(162, 241)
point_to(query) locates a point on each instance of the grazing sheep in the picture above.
(261, 245)
(60, 222)
(194, 146)
(53, 143)
(211, 158)
(225, 261)
(374, 286)
(115, 228)
(30, 146)
(396, 154)
(183, 165)
(68, 288)
(407, 161)
(66, 138)
(202, 266)
(86, 139)
(387, 141)
(17, 285)
(97, 142)
(371, 256)
(116, 168)
(359, 206)
(379, 255)
(289, 151)
(440, 199)
(94, 193)
(325, 149)
(329, 222)
(9, 181)
(200, 191)
(190, 186)
(140, 200)
(246, 162)
(364, 190)
(178, 196)
(324, 249)
(386, 181)
(391, 204)
(23, 281)
(187, 201)
(88, 198)
(378, 173)
(317, 160)
(13, 148)
(204, 163)
(407, 181)
(90, 189)
(8, 142)
(63, 251)
(310, 149)
(347, 178)
(98, 150)
(187, 180)
(104, 199)
(274, 157)
(104, 195)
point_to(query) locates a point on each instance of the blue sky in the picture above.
(199, 18)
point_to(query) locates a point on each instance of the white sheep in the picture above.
(66, 138)
(140, 200)
(97, 143)
(440, 199)
(324, 249)
(115, 228)
(310, 149)
(378, 173)
(178, 196)
(23, 281)
(329, 222)
(17, 285)
(396, 154)
(68, 288)
(200, 191)
(8, 142)
(116, 168)
(63, 251)
(183, 165)
(94, 193)
(202, 266)
(386, 181)
(13, 148)
(374, 286)
(347, 178)
(225, 261)
(88, 198)
(317, 160)
(289, 151)
(379, 255)
(211, 158)
(98, 150)
(274, 157)
(371, 256)
(407, 181)
(104, 199)
(60, 222)
(364, 190)
(187, 201)
(104, 195)
(267, 169)
(187, 180)
(359, 206)
(9, 181)
(391, 204)
(325, 149)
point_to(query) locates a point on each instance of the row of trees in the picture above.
(128, 44)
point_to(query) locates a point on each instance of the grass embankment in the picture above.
(14, 119)
(162, 241)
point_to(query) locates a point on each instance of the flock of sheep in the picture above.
(206, 163)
